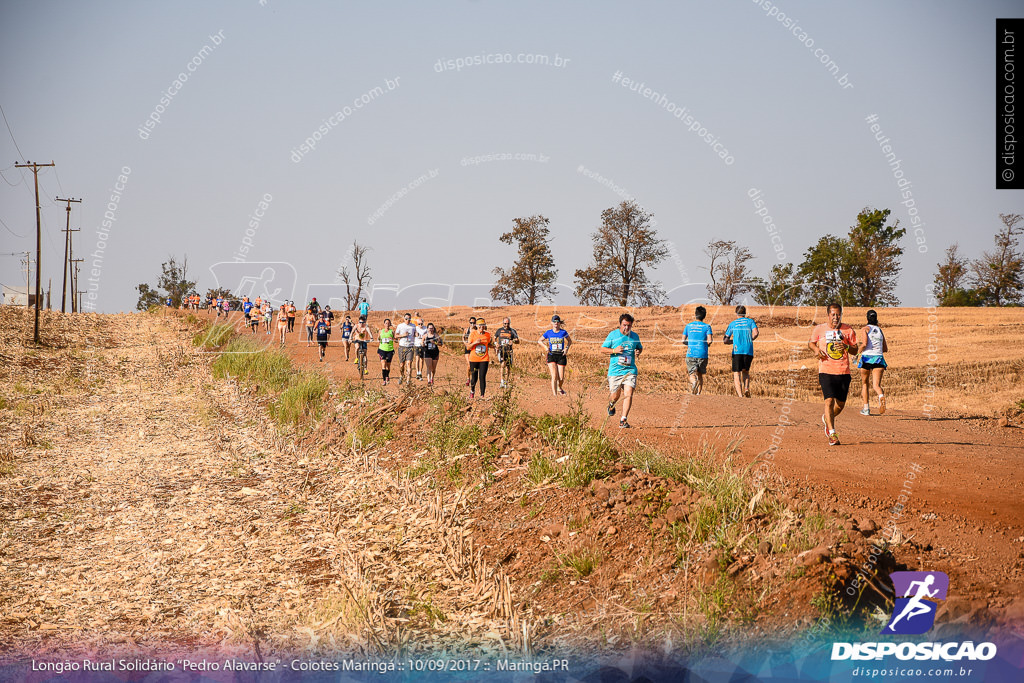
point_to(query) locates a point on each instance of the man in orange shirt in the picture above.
(478, 345)
(835, 343)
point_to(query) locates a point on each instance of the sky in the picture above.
(429, 127)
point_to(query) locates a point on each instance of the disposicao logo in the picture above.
(913, 614)
(914, 611)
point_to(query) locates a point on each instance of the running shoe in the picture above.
(562, 391)
(419, 376)
(502, 384)
(624, 425)
(467, 382)
(430, 382)
(833, 440)
(881, 405)
(611, 408)
(472, 395)
(865, 410)
(746, 394)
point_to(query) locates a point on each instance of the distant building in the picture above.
(16, 296)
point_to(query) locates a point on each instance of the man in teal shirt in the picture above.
(697, 336)
(741, 333)
(623, 345)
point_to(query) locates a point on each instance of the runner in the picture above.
(170, 305)
(330, 315)
(220, 303)
(432, 343)
(465, 339)
(479, 344)
(386, 349)
(362, 335)
(268, 315)
(623, 346)
(227, 307)
(741, 333)
(247, 309)
(363, 308)
(421, 330)
(314, 307)
(833, 342)
(872, 363)
(323, 334)
(697, 336)
(346, 335)
(556, 343)
(406, 334)
(254, 321)
(309, 320)
(504, 338)
(291, 311)
(282, 322)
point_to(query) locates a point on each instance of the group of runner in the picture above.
(835, 344)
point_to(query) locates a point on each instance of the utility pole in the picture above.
(67, 252)
(39, 240)
(74, 286)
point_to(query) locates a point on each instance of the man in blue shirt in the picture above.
(364, 308)
(623, 345)
(697, 337)
(741, 333)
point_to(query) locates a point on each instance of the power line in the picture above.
(12, 134)
(11, 231)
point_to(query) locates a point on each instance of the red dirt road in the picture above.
(962, 513)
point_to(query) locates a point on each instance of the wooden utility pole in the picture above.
(67, 252)
(74, 286)
(39, 240)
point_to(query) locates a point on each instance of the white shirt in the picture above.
(406, 334)
(420, 331)
(874, 341)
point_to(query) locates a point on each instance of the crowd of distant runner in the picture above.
(835, 344)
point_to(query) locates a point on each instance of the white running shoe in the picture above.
(865, 410)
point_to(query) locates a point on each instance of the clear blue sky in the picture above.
(80, 79)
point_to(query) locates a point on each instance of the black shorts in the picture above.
(432, 354)
(557, 358)
(834, 386)
(323, 344)
(386, 355)
(505, 357)
(419, 351)
(741, 362)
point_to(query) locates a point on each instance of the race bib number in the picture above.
(429, 344)
(556, 345)
(625, 359)
(506, 342)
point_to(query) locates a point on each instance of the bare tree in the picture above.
(625, 245)
(357, 279)
(999, 274)
(951, 276)
(533, 274)
(730, 277)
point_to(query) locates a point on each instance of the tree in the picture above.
(859, 270)
(827, 271)
(730, 278)
(625, 245)
(148, 297)
(215, 292)
(533, 274)
(781, 289)
(876, 258)
(950, 279)
(173, 280)
(999, 274)
(357, 280)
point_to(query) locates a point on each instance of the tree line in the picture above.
(861, 268)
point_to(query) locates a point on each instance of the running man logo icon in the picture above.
(916, 593)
